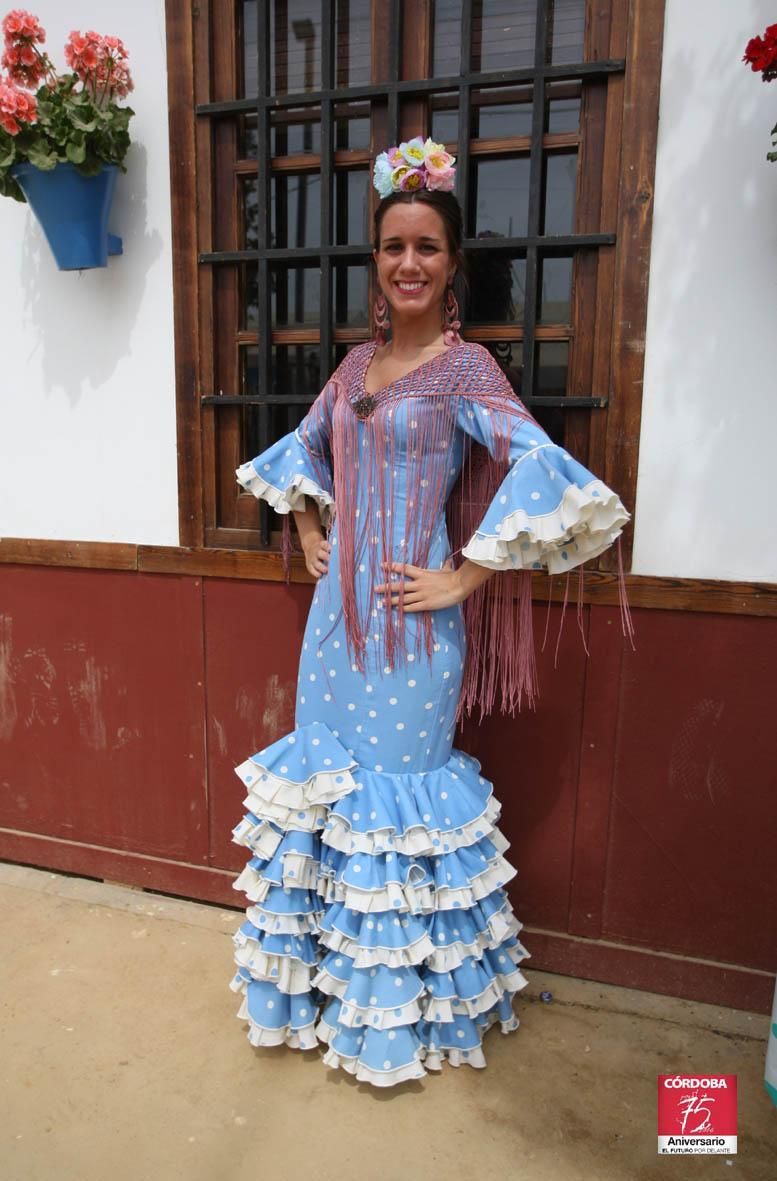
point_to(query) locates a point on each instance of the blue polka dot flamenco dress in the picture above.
(378, 924)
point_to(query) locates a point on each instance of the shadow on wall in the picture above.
(714, 198)
(85, 319)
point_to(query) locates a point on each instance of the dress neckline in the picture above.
(451, 348)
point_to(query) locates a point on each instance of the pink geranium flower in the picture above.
(17, 108)
(99, 62)
(19, 23)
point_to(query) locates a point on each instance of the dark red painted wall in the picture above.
(639, 796)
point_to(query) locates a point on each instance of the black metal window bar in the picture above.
(535, 245)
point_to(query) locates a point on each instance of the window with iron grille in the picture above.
(293, 100)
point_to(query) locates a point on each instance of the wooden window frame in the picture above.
(619, 127)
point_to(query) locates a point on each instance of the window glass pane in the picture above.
(351, 296)
(249, 371)
(500, 111)
(555, 291)
(446, 38)
(567, 29)
(295, 130)
(509, 356)
(497, 286)
(553, 420)
(560, 178)
(295, 371)
(249, 301)
(352, 126)
(261, 425)
(248, 35)
(295, 215)
(249, 193)
(247, 137)
(295, 295)
(503, 34)
(350, 208)
(295, 45)
(445, 118)
(562, 106)
(551, 367)
(352, 42)
(500, 196)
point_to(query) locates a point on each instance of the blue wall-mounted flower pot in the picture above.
(73, 211)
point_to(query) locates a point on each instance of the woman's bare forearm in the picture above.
(471, 576)
(308, 522)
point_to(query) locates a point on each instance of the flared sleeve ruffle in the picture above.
(297, 466)
(550, 512)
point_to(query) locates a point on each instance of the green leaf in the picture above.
(121, 118)
(7, 151)
(75, 152)
(90, 166)
(83, 122)
(9, 188)
(41, 156)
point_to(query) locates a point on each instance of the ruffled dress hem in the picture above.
(379, 926)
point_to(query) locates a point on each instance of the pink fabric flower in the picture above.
(444, 182)
(412, 179)
(438, 161)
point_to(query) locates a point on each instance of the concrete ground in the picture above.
(121, 1057)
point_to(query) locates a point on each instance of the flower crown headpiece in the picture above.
(414, 165)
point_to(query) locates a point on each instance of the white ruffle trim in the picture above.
(299, 873)
(353, 1015)
(365, 1074)
(322, 787)
(418, 899)
(581, 527)
(287, 972)
(302, 1038)
(289, 499)
(285, 924)
(423, 951)
(415, 842)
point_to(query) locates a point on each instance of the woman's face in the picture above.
(414, 262)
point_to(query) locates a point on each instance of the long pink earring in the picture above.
(380, 317)
(451, 323)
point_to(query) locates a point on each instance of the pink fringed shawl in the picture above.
(500, 663)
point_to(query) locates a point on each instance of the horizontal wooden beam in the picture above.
(599, 586)
(694, 978)
(97, 555)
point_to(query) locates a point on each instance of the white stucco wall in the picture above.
(706, 495)
(87, 394)
(87, 406)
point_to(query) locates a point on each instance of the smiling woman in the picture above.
(417, 253)
(381, 926)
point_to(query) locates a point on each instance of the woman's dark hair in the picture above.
(443, 203)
